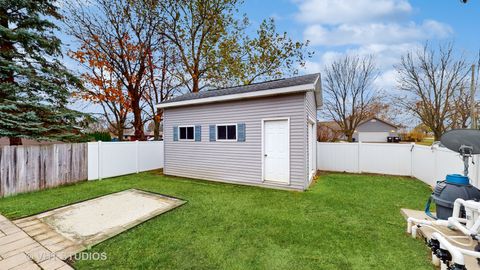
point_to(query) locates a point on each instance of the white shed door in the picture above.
(276, 151)
(373, 136)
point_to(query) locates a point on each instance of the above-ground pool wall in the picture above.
(228, 161)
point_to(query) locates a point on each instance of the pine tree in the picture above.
(34, 85)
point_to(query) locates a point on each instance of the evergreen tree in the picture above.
(34, 85)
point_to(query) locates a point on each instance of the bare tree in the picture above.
(460, 117)
(328, 132)
(350, 94)
(433, 80)
(162, 82)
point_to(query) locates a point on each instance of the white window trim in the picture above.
(186, 140)
(227, 140)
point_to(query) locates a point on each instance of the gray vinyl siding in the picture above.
(236, 162)
(311, 112)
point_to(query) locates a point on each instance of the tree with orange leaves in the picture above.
(101, 86)
(118, 35)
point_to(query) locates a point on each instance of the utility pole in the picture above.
(473, 107)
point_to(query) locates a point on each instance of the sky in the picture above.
(386, 29)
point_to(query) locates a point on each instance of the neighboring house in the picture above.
(375, 130)
(329, 131)
(263, 134)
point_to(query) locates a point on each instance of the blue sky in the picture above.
(385, 28)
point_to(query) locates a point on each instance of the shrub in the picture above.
(100, 136)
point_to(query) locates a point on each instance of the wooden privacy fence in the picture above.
(30, 168)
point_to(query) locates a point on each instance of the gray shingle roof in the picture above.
(379, 119)
(299, 80)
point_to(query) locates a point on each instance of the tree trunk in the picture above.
(156, 127)
(195, 84)
(137, 114)
(15, 141)
(156, 131)
(120, 132)
(6, 48)
(349, 137)
(436, 135)
(138, 123)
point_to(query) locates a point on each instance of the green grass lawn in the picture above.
(427, 141)
(343, 221)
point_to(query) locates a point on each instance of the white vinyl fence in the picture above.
(428, 164)
(108, 159)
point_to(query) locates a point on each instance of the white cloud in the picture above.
(386, 56)
(382, 28)
(312, 67)
(387, 80)
(379, 33)
(350, 11)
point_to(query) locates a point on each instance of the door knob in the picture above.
(265, 155)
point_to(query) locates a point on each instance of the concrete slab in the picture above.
(74, 228)
(43, 241)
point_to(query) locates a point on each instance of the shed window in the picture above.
(186, 133)
(227, 132)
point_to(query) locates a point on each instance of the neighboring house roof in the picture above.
(330, 124)
(268, 88)
(378, 119)
(131, 132)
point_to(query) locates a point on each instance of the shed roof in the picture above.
(273, 87)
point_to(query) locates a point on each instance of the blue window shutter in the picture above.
(213, 134)
(241, 132)
(198, 133)
(175, 133)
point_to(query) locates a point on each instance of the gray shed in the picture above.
(263, 134)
